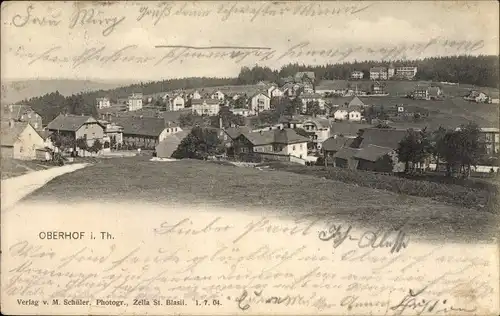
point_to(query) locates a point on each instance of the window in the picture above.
(33, 147)
(36, 125)
(168, 130)
(293, 147)
(21, 149)
(300, 146)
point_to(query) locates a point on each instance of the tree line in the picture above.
(475, 70)
(459, 149)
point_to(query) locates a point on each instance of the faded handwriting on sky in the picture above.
(170, 54)
(103, 16)
(248, 267)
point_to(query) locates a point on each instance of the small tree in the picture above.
(414, 149)
(82, 144)
(96, 146)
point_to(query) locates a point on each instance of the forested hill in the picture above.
(481, 71)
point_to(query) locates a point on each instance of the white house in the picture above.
(241, 111)
(378, 73)
(135, 102)
(320, 130)
(196, 95)
(176, 103)
(103, 103)
(308, 97)
(277, 93)
(354, 115)
(218, 95)
(208, 107)
(356, 74)
(341, 115)
(259, 102)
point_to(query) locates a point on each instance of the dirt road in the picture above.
(14, 189)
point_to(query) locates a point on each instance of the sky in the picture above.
(118, 41)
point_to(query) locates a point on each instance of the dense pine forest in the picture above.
(477, 70)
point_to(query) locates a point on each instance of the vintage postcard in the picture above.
(250, 158)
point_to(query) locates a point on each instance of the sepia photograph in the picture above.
(250, 158)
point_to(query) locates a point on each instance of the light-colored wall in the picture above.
(266, 103)
(297, 150)
(134, 104)
(177, 104)
(28, 141)
(340, 115)
(92, 130)
(263, 149)
(205, 109)
(354, 116)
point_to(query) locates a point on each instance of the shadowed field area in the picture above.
(196, 182)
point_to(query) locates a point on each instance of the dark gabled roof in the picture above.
(372, 152)
(319, 122)
(143, 126)
(347, 128)
(69, 122)
(383, 137)
(283, 136)
(18, 110)
(336, 143)
(10, 133)
(356, 102)
(301, 74)
(378, 69)
(346, 153)
(234, 132)
(288, 136)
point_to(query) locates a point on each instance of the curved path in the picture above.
(14, 189)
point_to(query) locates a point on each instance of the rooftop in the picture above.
(70, 122)
(372, 152)
(146, 126)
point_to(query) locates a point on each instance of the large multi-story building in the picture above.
(491, 138)
(378, 73)
(103, 103)
(407, 72)
(208, 107)
(135, 102)
(357, 74)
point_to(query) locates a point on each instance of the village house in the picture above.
(427, 92)
(406, 72)
(368, 157)
(490, 136)
(378, 88)
(344, 158)
(290, 122)
(275, 92)
(259, 103)
(77, 126)
(20, 140)
(333, 145)
(196, 95)
(319, 129)
(176, 104)
(280, 142)
(22, 113)
(217, 95)
(312, 97)
(356, 74)
(421, 93)
(341, 115)
(391, 71)
(378, 73)
(103, 103)
(114, 133)
(145, 132)
(135, 102)
(355, 114)
(307, 79)
(209, 107)
(240, 111)
(476, 96)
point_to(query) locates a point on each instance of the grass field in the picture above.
(191, 182)
(14, 167)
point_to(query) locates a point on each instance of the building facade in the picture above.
(208, 107)
(135, 102)
(103, 103)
